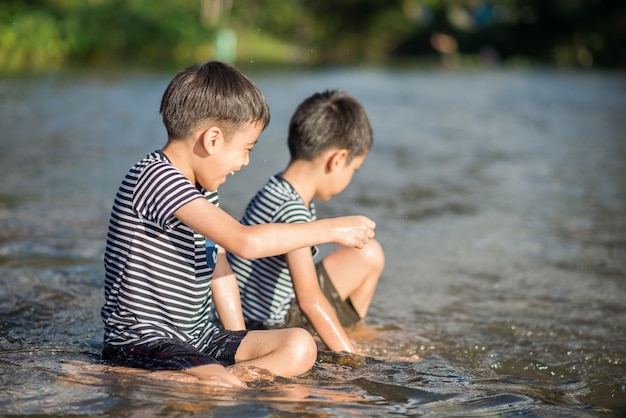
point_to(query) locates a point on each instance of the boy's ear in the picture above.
(210, 139)
(336, 159)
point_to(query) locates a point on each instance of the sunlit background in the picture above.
(497, 181)
(41, 34)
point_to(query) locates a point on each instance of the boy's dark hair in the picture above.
(211, 92)
(328, 120)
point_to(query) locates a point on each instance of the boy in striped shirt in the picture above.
(329, 137)
(171, 299)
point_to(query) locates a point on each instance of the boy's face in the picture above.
(232, 154)
(341, 178)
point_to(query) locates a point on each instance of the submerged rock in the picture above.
(341, 358)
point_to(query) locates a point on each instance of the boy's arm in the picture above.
(226, 294)
(313, 302)
(272, 239)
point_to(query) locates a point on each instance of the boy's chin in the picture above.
(212, 187)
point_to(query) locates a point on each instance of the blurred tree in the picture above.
(564, 32)
(354, 30)
(213, 12)
(40, 33)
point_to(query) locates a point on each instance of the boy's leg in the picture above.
(215, 372)
(284, 352)
(355, 273)
(169, 354)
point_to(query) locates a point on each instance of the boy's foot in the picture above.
(249, 373)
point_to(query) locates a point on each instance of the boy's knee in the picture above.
(303, 347)
(375, 254)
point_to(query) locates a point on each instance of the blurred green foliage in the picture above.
(44, 34)
(40, 34)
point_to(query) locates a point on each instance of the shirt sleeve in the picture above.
(161, 191)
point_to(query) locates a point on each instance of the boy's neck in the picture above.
(302, 175)
(177, 152)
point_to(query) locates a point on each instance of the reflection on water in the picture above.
(500, 199)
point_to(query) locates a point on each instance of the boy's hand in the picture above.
(353, 231)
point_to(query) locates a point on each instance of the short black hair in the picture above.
(327, 120)
(211, 92)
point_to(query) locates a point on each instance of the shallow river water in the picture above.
(499, 197)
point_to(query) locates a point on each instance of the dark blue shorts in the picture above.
(171, 354)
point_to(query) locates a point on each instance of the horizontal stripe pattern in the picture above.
(265, 284)
(157, 281)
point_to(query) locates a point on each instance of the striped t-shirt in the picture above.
(265, 284)
(157, 280)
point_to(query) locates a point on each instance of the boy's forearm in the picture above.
(267, 240)
(272, 239)
(314, 303)
(329, 329)
(226, 296)
(279, 238)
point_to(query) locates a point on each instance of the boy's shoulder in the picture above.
(155, 157)
(156, 172)
(278, 200)
(281, 192)
(279, 188)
